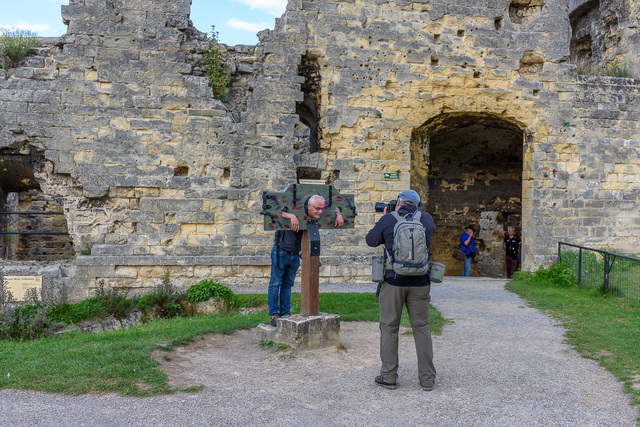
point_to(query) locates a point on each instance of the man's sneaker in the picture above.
(274, 319)
(380, 382)
(284, 316)
(427, 387)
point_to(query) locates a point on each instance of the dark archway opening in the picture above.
(469, 169)
(20, 192)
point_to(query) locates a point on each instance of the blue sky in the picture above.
(236, 21)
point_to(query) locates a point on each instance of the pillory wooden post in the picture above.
(293, 200)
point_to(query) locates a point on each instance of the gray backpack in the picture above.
(410, 255)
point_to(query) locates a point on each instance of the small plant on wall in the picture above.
(15, 45)
(619, 68)
(216, 65)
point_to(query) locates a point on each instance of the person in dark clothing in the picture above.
(285, 259)
(397, 291)
(511, 245)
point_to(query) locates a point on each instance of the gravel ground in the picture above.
(500, 363)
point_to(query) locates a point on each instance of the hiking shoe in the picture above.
(427, 387)
(380, 381)
(274, 319)
(284, 316)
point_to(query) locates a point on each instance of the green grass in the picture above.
(121, 361)
(599, 327)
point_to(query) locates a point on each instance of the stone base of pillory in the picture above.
(302, 332)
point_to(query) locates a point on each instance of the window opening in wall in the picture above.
(181, 171)
(306, 163)
(32, 224)
(585, 46)
(522, 11)
(468, 167)
(308, 109)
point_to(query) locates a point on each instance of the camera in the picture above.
(391, 206)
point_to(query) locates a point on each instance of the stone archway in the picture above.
(468, 166)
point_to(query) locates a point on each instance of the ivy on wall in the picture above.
(216, 64)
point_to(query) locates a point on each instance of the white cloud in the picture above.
(254, 27)
(35, 28)
(273, 7)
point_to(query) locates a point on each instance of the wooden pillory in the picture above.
(294, 198)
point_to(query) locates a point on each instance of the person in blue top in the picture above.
(468, 246)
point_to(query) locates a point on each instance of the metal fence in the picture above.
(612, 273)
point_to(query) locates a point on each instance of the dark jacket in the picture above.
(382, 234)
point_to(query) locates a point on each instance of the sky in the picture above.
(236, 21)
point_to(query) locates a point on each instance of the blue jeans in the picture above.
(284, 267)
(466, 268)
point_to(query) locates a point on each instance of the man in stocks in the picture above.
(285, 259)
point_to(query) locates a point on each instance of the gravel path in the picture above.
(500, 363)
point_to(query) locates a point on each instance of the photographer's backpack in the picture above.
(410, 255)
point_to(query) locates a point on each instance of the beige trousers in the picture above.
(391, 300)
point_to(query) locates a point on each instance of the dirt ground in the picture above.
(213, 358)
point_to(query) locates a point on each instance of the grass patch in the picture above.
(599, 327)
(121, 361)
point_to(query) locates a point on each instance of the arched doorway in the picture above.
(469, 168)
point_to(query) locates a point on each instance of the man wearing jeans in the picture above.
(468, 246)
(397, 291)
(285, 259)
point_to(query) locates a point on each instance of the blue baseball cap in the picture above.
(410, 196)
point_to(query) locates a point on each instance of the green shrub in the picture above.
(216, 65)
(27, 322)
(164, 300)
(114, 302)
(207, 289)
(558, 273)
(15, 45)
(74, 313)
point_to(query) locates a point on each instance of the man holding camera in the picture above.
(468, 246)
(398, 290)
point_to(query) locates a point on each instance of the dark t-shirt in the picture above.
(513, 245)
(289, 240)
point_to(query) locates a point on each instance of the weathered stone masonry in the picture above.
(475, 103)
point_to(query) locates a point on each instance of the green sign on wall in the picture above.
(392, 175)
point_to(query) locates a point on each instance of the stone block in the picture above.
(302, 333)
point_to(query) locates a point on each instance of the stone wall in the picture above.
(476, 105)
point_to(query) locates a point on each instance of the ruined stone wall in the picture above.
(604, 31)
(161, 178)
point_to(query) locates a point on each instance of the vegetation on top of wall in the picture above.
(15, 45)
(617, 68)
(216, 65)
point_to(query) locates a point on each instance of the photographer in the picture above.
(397, 291)
(468, 246)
